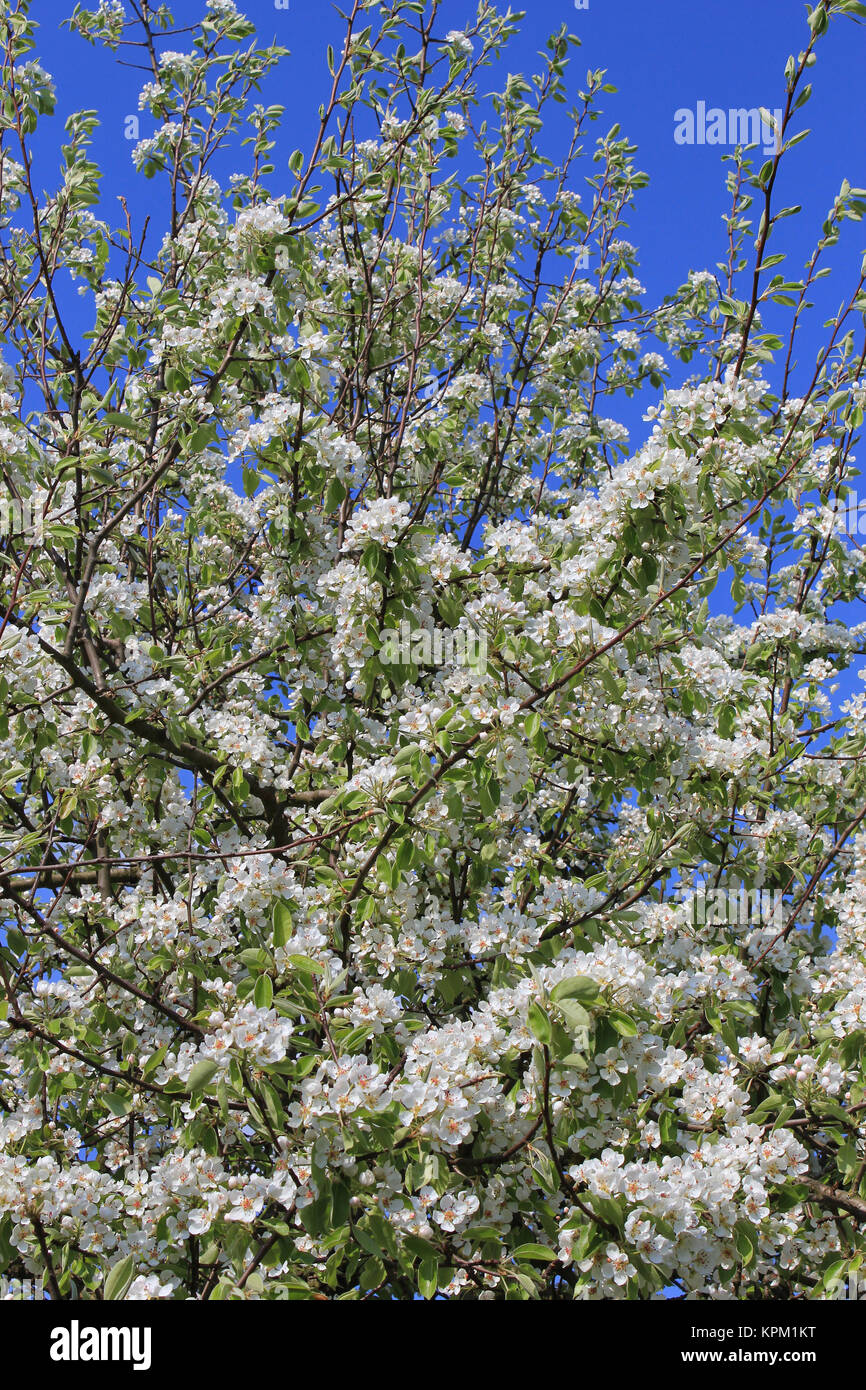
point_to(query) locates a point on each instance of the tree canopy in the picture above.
(433, 857)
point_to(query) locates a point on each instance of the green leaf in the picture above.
(577, 987)
(118, 1105)
(539, 1023)
(305, 965)
(541, 1253)
(742, 431)
(421, 1248)
(335, 495)
(668, 1127)
(624, 1025)
(372, 1274)
(284, 927)
(200, 438)
(574, 1014)
(545, 1170)
(201, 1074)
(118, 1279)
(428, 1278)
(745, 1240)
(575, 1060)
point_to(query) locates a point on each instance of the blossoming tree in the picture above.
(331, 971)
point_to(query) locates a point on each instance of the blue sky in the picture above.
(660, 54)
